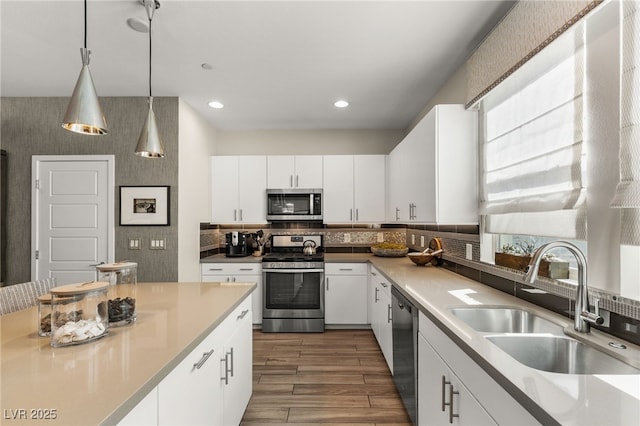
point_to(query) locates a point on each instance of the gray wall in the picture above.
(31, 126)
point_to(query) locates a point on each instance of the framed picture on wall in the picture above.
(144, 205)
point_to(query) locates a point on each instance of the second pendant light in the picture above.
(149, 142)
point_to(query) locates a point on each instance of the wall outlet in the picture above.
(347, 237)
(380, 237)
(421, 240)
(158, 244)
(469, 252)
(413, 239)
(134, 243)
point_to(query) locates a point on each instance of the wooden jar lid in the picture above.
(123, 264)
(79, 288)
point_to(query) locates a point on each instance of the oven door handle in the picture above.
(291, 271)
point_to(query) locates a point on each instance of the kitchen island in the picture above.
(101, 381)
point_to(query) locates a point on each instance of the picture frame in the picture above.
(144, 205)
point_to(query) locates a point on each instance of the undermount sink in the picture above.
(505, 320)
(559, 354)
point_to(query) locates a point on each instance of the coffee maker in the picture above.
(237, 244)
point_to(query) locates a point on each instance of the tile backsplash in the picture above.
(554, 295)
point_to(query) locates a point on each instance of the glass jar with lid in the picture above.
(44, 315)
(78, 313)
(122, 278)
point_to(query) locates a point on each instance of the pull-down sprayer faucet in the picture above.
(583, 318)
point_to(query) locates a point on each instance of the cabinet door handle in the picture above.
(327, 283)
(205, 356)
(243, 314)
(350, 214)
(225, 360)
(383, 284)
(451, 393)
(397, 213)
(231, 370)
(240, 215)
(235, 215)
(227, 279)
(389, 316)
(233, 279)
(291, 181)
(374, 274)
(357, 214)
(297, 180)
(444, 385)
(376, 295)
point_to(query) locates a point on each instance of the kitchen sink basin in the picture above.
(505, 320)
(559, 354)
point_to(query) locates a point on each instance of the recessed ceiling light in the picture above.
(216, 104)
(341, 104)
(206, 66)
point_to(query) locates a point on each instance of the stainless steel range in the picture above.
(293, 277)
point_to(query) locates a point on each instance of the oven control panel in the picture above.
(292, 265)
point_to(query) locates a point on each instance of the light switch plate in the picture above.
(157, 244)
(134, 243)
(469, 252)
(380, 237)
(421, 240)
(413, 239)
(347, 237)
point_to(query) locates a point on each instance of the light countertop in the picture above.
(568, 399)
(328, 257)
(100, 381)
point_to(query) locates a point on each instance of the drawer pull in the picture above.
(225, 360)
(205, 356)
(216, 269)
(246, 269)
(346, 269)
(243, 314)
(383, 284)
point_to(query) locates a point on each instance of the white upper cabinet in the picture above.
(238, 189)
(288, 171)
(433, 171)
(354, 188)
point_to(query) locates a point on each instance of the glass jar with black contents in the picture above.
(122, 278)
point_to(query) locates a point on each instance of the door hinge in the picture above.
(37, 254)
(37, 183)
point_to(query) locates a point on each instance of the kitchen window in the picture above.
(549, 153)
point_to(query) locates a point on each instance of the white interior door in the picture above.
(72, 216)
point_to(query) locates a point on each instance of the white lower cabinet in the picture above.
(240, 273)
(443, 398)
(212, 385)
(453, 389)
(380, 313)
(345, 293)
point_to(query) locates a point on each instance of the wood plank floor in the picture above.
(338, 377)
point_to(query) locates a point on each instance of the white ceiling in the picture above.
(276, 64)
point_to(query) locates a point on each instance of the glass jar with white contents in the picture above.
(79, 313)
(122, 278)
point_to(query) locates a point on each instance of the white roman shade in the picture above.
(628, 190)
(532, 152)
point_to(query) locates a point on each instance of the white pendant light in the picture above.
(84, 114)
(149, 142)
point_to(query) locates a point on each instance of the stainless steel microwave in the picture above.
(294, 204)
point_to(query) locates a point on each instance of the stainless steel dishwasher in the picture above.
(405, 352)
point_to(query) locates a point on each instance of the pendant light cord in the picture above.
(85, 24)
(150, 55)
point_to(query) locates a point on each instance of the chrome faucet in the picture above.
(583, 318)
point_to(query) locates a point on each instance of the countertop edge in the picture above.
(120, 413)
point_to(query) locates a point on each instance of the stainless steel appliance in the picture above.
(294, 204)
(405, 351)
(293, 291)
(237, 244)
